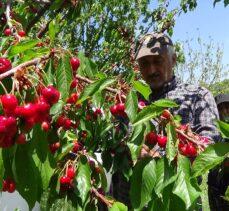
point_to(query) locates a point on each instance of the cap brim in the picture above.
(222, 99)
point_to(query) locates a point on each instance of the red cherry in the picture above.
(98, 111)
(54, 147)
(21, 139)
(120, 107)
(75, 63)
(9, 103)
(51, 95)
(191, 150)
(7, 32)
(27, 111)
(21, 33)
(40, 44)
(11, 187)
(141, 104)
(70, 172)
(45, 126)
(60, 121)
(5, 186)
(73, 98)
(5, 65)
(64, 180)
(162, 140)
(73, 84)
(67, 123)
(166, 114)
(151, 138)
(113, 110)
(184, 149)
(77, 146)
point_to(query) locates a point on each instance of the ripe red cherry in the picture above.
(21, 139)
(162, 140)
(166, 114)
(67, 123)
(98, 111)
(60, 121)
(9, 103)
(11, 187)
(54, 147)
(64, 180)
(40, 44)
(7, 32)
(21, 33)
(151, 138)
(45, 126)
(141, 104)
(191, 150)
(70, 172)
(75, 63)
(77, 146)
(50, 95)
(27, 111)
(73, 84)
(5, 65)
(120, 107)
(113, 110)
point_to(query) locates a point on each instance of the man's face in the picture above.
(224, 111)
(157, 70)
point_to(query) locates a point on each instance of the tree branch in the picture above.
(23, 65)
(7, 13)
(101, 197)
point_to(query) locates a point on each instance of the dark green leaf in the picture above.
(94, 87)
(165, 103)
(62, 205)
(143, 89)
(146, 114)
(211, 157)
(21, 47)
(223, 128)
(53, 29)
(137, 136)
(49, 73)
(142, 182)
(25, 174)
(183, 186)
(171, 146)
(64, 77)
(165, 175)
(83, 179)
(131, 105)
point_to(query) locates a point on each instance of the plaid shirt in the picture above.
(197, 108)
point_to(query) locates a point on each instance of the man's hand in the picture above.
(146, 152)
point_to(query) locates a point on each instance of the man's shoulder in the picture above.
(191, 88)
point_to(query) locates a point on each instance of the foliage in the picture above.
(61, 112)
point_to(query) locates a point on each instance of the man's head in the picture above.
(222, 102)
(156, 58)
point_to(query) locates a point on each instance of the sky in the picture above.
(204, 22)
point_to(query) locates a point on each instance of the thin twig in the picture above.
(7, 13)
(101, 197)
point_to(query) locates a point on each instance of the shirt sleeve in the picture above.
(206, 115)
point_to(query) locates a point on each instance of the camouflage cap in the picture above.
(152, 44)
(222, 98)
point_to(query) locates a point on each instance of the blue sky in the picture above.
(210, 21)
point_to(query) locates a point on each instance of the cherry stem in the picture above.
(101, 197)
(4, 88)
(189, 138)
(23, 65)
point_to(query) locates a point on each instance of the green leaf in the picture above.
(2, 169)
(21, 47)
(131, 105)
(25, 173)
(64, 77)
(49, 73)
(142, 182)
(183, 186)
(83, 179)
(134, 150)
(146, 114)
(53, 29)
(171, 146)
(94, 87)
(137, 136)
(165, 103)
(223, 128)
(66, 148)
(62, 205)
(165, 175)
(90, 68)
(142, 88)
(212, 156)
(118, 206)
(226, 197)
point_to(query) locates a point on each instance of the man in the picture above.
(156, 58)
(218, 179)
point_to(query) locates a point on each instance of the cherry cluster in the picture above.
(152, 138)
(8, 185)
